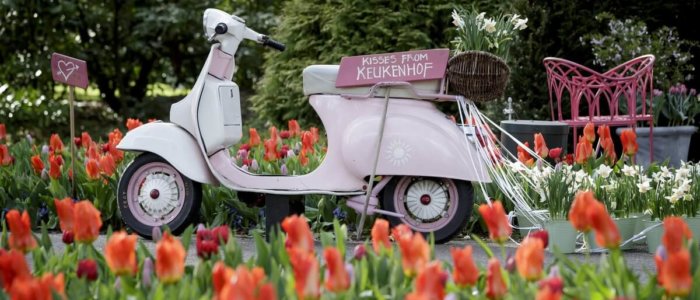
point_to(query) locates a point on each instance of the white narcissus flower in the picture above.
(520, 24)
(480, 16)
(644, 187)
(489, 25)
(629, 171)
(603, 171)
(457, 19)
(581, 175)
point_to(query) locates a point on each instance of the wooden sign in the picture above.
(69, 70)
(397, 66)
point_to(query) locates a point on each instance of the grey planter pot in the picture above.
(555, 133)
(670, 143)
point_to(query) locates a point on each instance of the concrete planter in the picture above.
(670, 143)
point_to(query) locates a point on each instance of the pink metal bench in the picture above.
(596, 97)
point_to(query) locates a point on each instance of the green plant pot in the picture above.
(561, 235)
(653, 236)
(694, 224)
(625, 226)
(639, 224)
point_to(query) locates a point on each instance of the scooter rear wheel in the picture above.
(438, 205)
(152, 193)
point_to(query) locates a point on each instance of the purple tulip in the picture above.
(254, 165)
(360, 251)
(45, 149)
(283, 170)
(30, 139)
(147, 272)
(657, 93)
(156, 233)
(693, 92)
(682, 89)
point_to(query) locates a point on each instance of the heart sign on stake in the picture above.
(68, 70)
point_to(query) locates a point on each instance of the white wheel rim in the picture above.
(168, 195)
(438, 199)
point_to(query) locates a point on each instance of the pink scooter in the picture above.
(392, 130)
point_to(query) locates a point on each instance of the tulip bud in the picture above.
(254, 165)
(30, 139)
(283, 170)
(360, 252)
(67, 237)
(87, 268)
(45, 149)
(156, 233)
(543, 235)
(77, 141)
(147, 272)
(510, 264)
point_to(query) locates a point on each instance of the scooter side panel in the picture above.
(173, 144)
(418, 141)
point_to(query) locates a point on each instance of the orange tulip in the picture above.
(5, 157)
(220, 277)
(294, 128)
(92, 168)
(303, 159)
(115, 137)
(337, 279)
(465, 272)
(676, 233)
(299, 234)
(577, 214)
(430, 283)
(271, 153)
(107, 164)
(550, 289)
(241, 283)
(87, 222)
(529, 258)
(608, 149)
(415, 253)
(254, 137)
(307, 142)
(120, 253)
(675, 275)
(604, 132)
(65, 211)
(55, 282)
(629, 142)
(402, 231)
(524, 156)
(117, 154)
(170, 259)
(315, 134)
(584, 151)
(495, 284)
(54, 167)
(380, 235)
(133, 123)
(3, 131)
(496, 221)
(273, 133)
(606, 232)
(12, 266)
(589, 133)
(55, 143)
(306, 274)
(85, 140)
(21, 238)
(37, 164)
(541, 146)
(92, 151)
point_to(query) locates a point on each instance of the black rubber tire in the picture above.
(465, 202)
(187, 215)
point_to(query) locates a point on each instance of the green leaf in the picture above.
(263, 253)
(45, 240)
(186, 237)
(483, 246)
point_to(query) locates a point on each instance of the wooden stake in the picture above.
(71, 99)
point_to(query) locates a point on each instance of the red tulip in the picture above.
(37, 164)
(21, 238)
(465, 272)
(55, 143)
(87, 222)
(241, 284)
(12, 266)
(380, 235)
(608, 149)
(38, 288)
(415, 253)
(604, 132)
(284, 134)
(206, 244)
(542, 235)
(85, 139)
(3, 131)
(606, 232)
(540, 145)
(359, 252)
(315, 134)
(675, 275)
(524, 156)
(299, 234)
(550, 289)
(337, 277)
(115, 137)
(107, 164)
(495, 284)
(273, 133)
(629, 142)
(430, 283)
(92, 169)
(555, 153)
(132, 124)
(55, 167)
(270, 150)
(589, 133)
(87, 268)
(676, 233)
(294, 128)
(254, 137)
(5, 157)
(496, 220)
(120, 253)
(92, 151)
(65, 211)
(529, 258)
(306, 274)
(221, 234)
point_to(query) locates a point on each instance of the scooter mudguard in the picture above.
(173, 144)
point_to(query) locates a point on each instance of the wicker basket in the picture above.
(477, 75)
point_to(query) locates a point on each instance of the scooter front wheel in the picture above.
(152, 193)
(438, 205)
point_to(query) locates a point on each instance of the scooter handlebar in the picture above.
(267, 41)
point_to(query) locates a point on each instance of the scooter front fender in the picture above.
(173, 144)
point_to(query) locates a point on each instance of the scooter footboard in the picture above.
(173, 144)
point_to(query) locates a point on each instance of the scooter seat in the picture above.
(320, 79)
